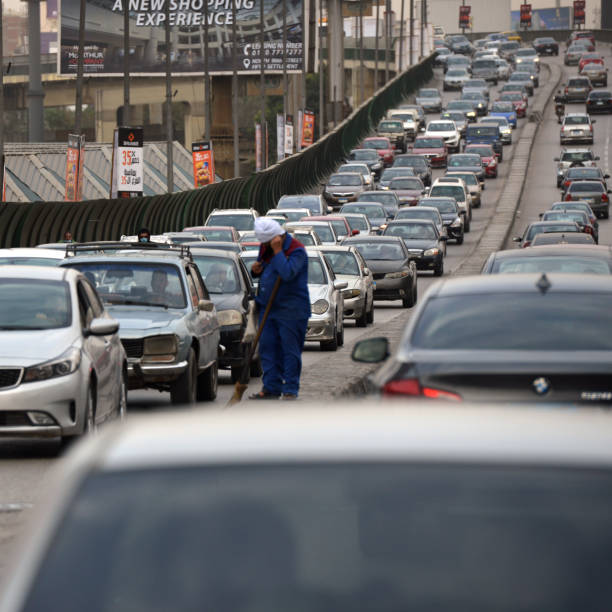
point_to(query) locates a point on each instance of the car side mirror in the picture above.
(556, 159)
(593, 121)
(101, 327)
(206, 305)
(541, 215)
(596, 158)
(339, 285)
(517, 239)
(371, 350)
(354, 232)
(366, 271)
(443, 238)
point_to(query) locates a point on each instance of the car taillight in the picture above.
(566, 184)
(412, 387)
(568, 197)
(604, 197)
(566, 90)
(588, 229)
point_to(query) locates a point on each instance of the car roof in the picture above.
(394, 432)
(425, 208)
(53, 273)
(336, 248)
(360, 238)
(228, 211)
(32, 252)
(215, 253)
(591, 250)
(411, 222)
(168, 257)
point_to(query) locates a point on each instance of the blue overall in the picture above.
(282, 339)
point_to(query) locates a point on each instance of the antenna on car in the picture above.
(543, 284)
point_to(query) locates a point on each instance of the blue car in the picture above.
(504, 109)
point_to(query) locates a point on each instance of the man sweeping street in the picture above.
(282, 339)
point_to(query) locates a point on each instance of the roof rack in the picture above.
(75, 247)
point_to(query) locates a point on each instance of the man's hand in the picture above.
(276, 244)
(257, 268)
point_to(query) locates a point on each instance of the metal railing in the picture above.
(28, 224)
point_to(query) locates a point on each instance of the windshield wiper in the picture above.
(21, 328)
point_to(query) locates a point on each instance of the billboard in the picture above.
(579, 12)
(203, 163)
(525, 15)
(464, 16)
(188, 19)
(128, 171)
(545, 19)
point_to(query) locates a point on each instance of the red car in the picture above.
(589, 58)
(488, 157)
(434, 149)
(340, 224)
(517, 99)
(383, 146)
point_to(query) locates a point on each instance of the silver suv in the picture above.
(577, 127)
(571, 158)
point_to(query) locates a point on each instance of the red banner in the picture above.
(75, 161)
(579, 12)
(525, 15)
(203, 163)
(308, 122)
(464, 16)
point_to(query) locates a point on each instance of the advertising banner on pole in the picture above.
(75, 154)
(464, 16)
(129, 162)
(579, 6)
(289, 135)
(525, 15)
(280, 137)
(258, 148)
(3, 178)
(104, 36)
(203, 163)
(308, 127)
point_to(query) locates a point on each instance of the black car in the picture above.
(520, 338)
(563, 259)
(467, 162)
(418, 163)
(423, 240)
(229, 284)
(546, 45)
(369, 157)
(599, 101)
(392, 267)
(449, 211)
(388, 199)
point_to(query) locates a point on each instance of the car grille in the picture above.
(418, 252)
(134, 347)
(379, 275)
(9, 377)
(342, 195)
(14, 419)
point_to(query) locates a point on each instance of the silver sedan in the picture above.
(63, 370)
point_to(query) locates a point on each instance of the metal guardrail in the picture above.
(559, 35)
(44, 222)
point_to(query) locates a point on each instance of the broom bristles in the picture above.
(239, 390)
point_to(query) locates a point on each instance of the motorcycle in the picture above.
(559, 110)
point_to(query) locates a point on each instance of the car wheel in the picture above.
(255, 369)
(466, 225)
(439, 269)
(208, 383)
(459, 239)
(183, 390)
(370, 316)
(362, 321)
(122, 403)
(330, 345)
(340, 333)
(606, 214)
(90, 411)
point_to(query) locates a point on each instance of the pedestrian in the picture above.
(144, 235)
(68, 236)
(282, 338)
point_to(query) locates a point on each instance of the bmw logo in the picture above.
(541, 385)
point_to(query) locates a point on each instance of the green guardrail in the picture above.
(35, 223)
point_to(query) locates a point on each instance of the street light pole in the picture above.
(321, 74)
(401, 53)
(126, 64)
(207, 105)
(262, 84)
(284, 61)
(411, 35)
(376, 46)
(387, 51)
(1, 101)
(78, 111)
(235, 92)
(361, 65)
(169, 126)
(422, 27)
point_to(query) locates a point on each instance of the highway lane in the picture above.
(24, 465)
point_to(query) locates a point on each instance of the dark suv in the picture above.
(485, 133)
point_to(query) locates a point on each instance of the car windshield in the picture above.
(487, 131)
(316, 274)
(532, 322)
(576, 216)
(512, 96)
(502, 107)
(410, 162)
(220, 274)
(324, 232)
(313, 203)
(457, 73)
(357, 222)
(469, 178)
(353, 168)
(411, 231)
(519, 76)
(378, 143)
(444, 205)
(428, 93)
(364, 154)
(344, 179)
(240, 222)
(384, 198)
(406, 183)
(47, 262)
(460, 105)
(380, 251)
(390, 126)
(576, 120)
(428, 143)
(339, 226)
(546, 41)
(403, 116)
(217, 234)
(454, 116)
(371, 211)
(415, 212)
(391, 173)
(600, 95)
(483, 151)
(342, 262)
(586, 187)
(472, 95)
(451, 191)
(457, 161)
(486, 64)
(440, 126)
(305, 238)
(134, 283)
(33, 304)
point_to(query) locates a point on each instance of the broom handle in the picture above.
(264, 318)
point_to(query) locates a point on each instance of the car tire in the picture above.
(183, 389)
(208, 383)
(340, 333)
(255, 368)
(466, 225)
(89, 426)
(370, 316)
(439, 270)
(459, 239)
(362, 321)
(330, 345)
(122, 400)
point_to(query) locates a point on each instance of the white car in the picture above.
(446, 129)
(577, 127)
(408, 119)
(31, 257)
(291, 214)
(63, 369)
(242, 219)
(455, 78)
(453, 187)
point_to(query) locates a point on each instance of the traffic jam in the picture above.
(475, 499)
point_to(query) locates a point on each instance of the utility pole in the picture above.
(422, 29)
(387, 27)
(411, 35)
(169, 132)
(35, 91)
(321, 74)
(207, 100)
(1, 100)
(235, 92)
(401, 52)
(284, 60)
(361, 65)
(376, 47)
(305, 56)
(78, 110)
(463, 27)
(126, 63)
(262, 83)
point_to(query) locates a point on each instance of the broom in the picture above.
(241, 386)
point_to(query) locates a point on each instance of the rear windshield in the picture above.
(578, 82)
(579, 120)
(452, 191)
(239, 222)
(555, 322)
(551, 228)
(577, 156)
(586, 187)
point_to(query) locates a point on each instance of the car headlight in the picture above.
(401, 274)
(383, 186)
(160, 348)
(431, 252)
(229, 317)
(351, 293)
(320, 307)
(456, 222)
(63, 365)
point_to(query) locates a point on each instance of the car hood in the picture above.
(26, 348)
(408, 193)
(429, 151)
(143, 318)
(318, 292)
(225, 301)
(474, 169)
(378, 266)
(343, 188)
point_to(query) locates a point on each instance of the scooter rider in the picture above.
(559, 105)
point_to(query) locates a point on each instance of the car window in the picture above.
(93, 299)
(381, 251)
(573, 120)
(29, 261)
(549, 228)
(240, 222)
(221, 235)
(316, 273)
(558, 263)
(344, 179)
(584, 187)
(342, 262)
(219, 273)
(415, 231)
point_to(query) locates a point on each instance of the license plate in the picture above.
(600, 103)
(576, 132)
(342, 200)
(374, 285)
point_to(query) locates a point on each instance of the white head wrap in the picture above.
(266, 229)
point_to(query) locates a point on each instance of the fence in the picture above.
(42, 222)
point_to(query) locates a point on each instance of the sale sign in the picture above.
(75, 161)
(464, 16)
(203, 163)
(129, 162)
(307, 136)
(579, 12)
